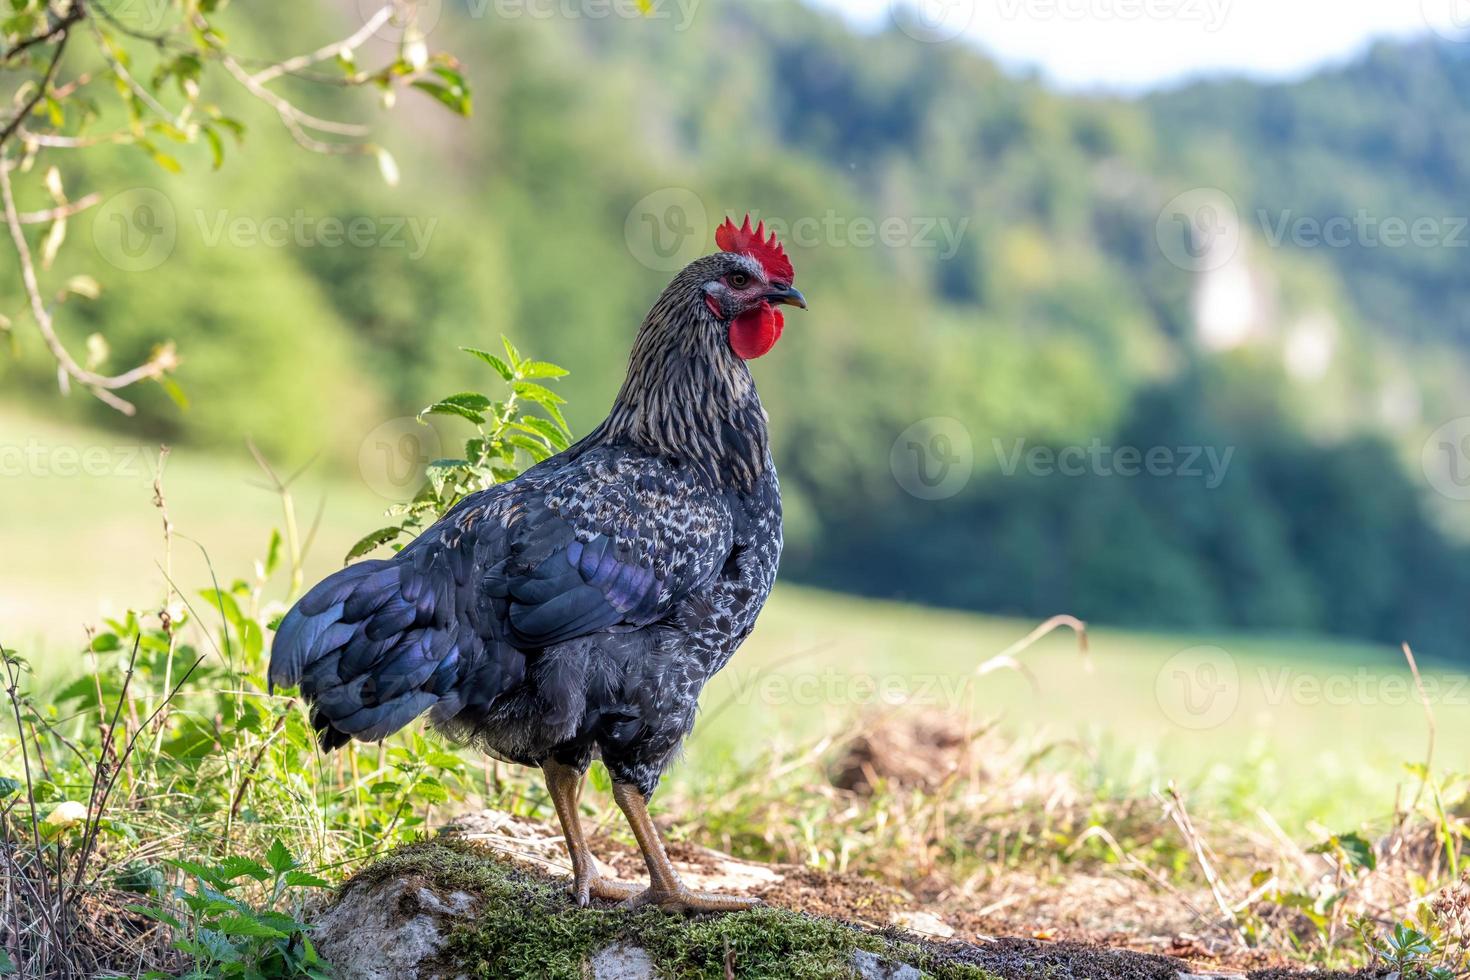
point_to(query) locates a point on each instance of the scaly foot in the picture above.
(682, 899)
(595, 886)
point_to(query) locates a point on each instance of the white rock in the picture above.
(388, 931)
(923, 924)
(620, 962)
(871, 966)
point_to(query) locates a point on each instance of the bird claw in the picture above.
(682, 899)
(596, 886)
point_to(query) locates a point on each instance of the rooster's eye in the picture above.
(739, 280)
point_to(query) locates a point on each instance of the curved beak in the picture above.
(788, 295)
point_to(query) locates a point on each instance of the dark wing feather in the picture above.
(560, 583)
(605, 543)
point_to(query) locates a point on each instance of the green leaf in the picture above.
(251, 638)
(1358, 852)
(450, 408)
(543, 369)
(472, 400)
(162, 159)
(300, 879)
(201, 871)
(546, 430)
(455, 98)
(279, 857)
(105, 643)
(373, 541)
(9, 787)
(531, 391)
(511, 352)
(235, 126)
(273, 552)
(174, 392)
(216, 146)
(225, 603)
(441, 471)
(536, 450)
(502, 368)
(157, 915)
(248, 926)
(557, 417)
(241, 867)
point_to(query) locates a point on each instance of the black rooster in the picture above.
(579, 609)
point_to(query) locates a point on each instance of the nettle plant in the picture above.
(506, 432)
(168, 772)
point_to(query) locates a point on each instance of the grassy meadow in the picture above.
(1315, 730)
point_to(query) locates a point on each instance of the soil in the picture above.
(1022, 927)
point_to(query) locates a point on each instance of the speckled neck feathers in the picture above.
(687, 395)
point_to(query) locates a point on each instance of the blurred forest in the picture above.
(1057, 318)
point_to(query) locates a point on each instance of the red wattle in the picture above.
(756, 331)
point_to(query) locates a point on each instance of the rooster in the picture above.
(578, 610)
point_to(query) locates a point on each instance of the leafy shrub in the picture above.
(170, 771)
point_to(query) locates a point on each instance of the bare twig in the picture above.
(1429, 720)
(102, 773)
(61, 211)
(251, 770)
(146, 97)
(295, 120)
(12, 677)
(58, 30)
(1180, 816)
(100, 385)
(10, 127)
(293, 65)
(55, 142)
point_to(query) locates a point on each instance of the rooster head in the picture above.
(745, 283)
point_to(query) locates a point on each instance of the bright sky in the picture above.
(1132, 44)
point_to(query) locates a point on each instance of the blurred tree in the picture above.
(88, 86)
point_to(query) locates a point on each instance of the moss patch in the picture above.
(528, 927)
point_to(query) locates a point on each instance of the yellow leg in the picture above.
(565, 786)
(664, 887)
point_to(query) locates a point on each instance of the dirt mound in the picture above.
(917, 752)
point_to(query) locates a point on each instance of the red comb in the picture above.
(768, 252)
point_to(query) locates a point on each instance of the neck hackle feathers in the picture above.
(685, 396)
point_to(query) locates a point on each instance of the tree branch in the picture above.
(100, 385)
(73, 14)
(31, 103)
(61, 211)
(292, 65)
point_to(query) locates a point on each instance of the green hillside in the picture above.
(1023, 288)
(1309, 728)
